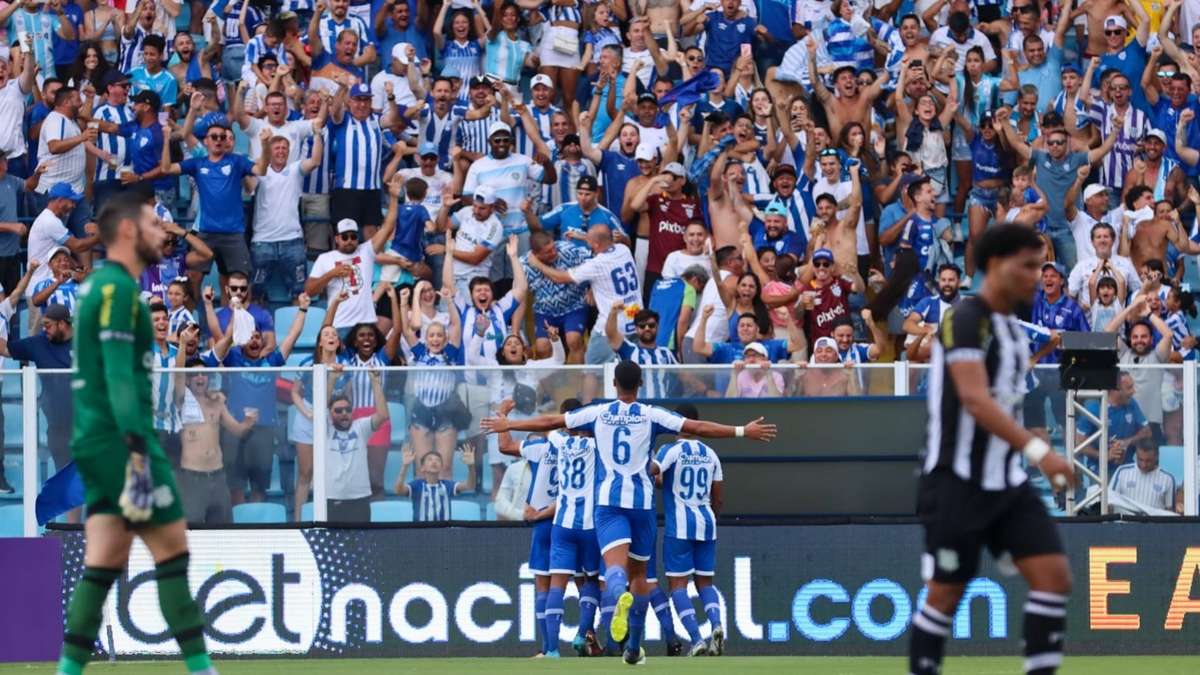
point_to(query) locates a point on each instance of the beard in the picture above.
(949, 297)
(149, 255)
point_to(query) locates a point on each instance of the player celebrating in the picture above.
(973, 491)
(128, 487)
(691, 485)
(624, 430)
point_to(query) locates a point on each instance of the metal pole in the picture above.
(1069, 444)
(1103, 453)
(900, 378)
(1189, 439)
(320, 438)
(29, 449)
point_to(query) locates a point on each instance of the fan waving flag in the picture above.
(691, 90)
(63, 492)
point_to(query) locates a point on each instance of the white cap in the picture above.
(59, 249)
(1093, 190)
(400, 52)
(675, 169)
(645, 153)
(485, 194)
(1115, 21)
(347, 225)
(758, 348)
(542, 80)
(497, 127)
(1156, 133)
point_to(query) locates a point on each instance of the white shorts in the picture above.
(300, 428)
(553, 58)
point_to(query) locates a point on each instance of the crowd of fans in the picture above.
(570, 181)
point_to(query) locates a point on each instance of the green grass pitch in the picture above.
(1077, 665)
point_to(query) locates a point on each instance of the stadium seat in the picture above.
(392, 511)
(399, 419)
(391, 470)
(260, 512)
(489, 513)
(306, 512)
(312, 325)
(12, 425)
(12, 520)
(276, 488)
(463, 509)
(293, 361)
(1170, 459)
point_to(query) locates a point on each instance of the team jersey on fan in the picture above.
(577, 457)
(624, 434)
(542, 456)
(689, 470)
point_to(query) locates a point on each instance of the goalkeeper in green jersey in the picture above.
(128, 486)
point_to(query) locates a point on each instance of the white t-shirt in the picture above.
(12, 112)
(678, 261)
(401, 89)
(613, 275)
(67, 167)
(46, 233)
(630, 57)
(510, 178)
(295, 131)
(436, 183)
(358, 308)
(941, 39)
(841, 191)
(277, 205)
(346, 473)
(1077, 283)
(717, 328)
(1081, 230)
(471, 233)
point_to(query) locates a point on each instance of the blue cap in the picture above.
(427, 149)
(822, 254)
(209, 120)
(64, 191)
(1058, 267)
(360, 90)
(1072, 67)
(775, 209)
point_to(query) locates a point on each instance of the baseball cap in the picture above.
(59, 249)
(1156, 133)
(645, 153)
(675, 169)
(212, 119)
(783, 168)
(347, 225)
(647, 97)
(115, 76)
(57, 312)
(775, 209)
(1093, 190)
(1115, 21)
(427, 149)
(485, 194)
(586, 182)
(480, 81)
(149, 98)
(1071, 66)
(63, 191)
(822, 254)
(1058, 267)
(541, 79)
(400, 52)
(499, 127)
(360, 90)
(570, 139)
(757, 348)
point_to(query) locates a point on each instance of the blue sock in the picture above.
(662, 609)
(637, 622)
(539, 614)
(616, 582)
(606, 612)
(554, 615)
(687, 614)
(712, 605)
(589, 599)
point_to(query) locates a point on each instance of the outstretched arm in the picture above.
(755, 429)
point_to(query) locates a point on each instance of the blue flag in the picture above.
(691, 90)
(63, 492)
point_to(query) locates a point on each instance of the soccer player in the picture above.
(691, 485)
(128, 486)
(973, 491)
(624, 430)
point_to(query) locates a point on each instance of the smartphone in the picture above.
(21, 39)
(746, 50)
(163, 117)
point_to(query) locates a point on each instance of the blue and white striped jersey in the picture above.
(63, 295)
(655, 384)
(131, 50)
(562, 191)
(361, 393)
(431, 501)
(437, 130)
(178, 318)
(1178, 324)
(504, 57)
(465, 57)
(552, 13)
(166, 415)
(689, 470)
(317, 182)
(541, 119)
(357, 147)
(330, 28)
(114, 144)
(577, 458)
(256, 48)
(624, 434)
(542, 456)
(431, 387)
(471, 135)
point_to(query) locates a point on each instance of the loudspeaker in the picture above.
(1089, 361)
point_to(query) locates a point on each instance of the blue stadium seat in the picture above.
(276, 488)
(392, 511)
(312, 325)
(490, 512)
(293, 361)
(12, 425)
(12, 520)
(399, 419)
(391, 470)
(1170, 459)
(13, 468)
(260, 512)
(306, 512)
(464, 509)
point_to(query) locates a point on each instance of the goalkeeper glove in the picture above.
(137, 498)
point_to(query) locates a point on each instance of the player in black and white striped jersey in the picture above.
(973, 490)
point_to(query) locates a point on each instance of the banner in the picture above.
(30, 570)
(833, 589)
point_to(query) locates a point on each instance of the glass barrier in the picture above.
(767, 380)
(12, 461)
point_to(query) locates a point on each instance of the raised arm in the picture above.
(1187, 155)
(585, 134)
(297, 325)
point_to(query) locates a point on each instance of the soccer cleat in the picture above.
(619, 628)
(716, 643)
(637, 658)
(579, 644)
(675, 649)
(592, 645)
(551, 654)
(538, 655)
(699, 649)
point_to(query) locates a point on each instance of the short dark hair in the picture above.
(539, 238)
(1102, 226)
(841, 320)
(644, 315)
(1004, 241)
(479, 281)
(415, 189)
(825, 196)
(156, 41)
(916, 186)
(340, 395)
(725, 253)
(628, 376)
(949, 267)
(570, 405)
(63, 94)
(267, 58)
(1106, 282)
(1135, 193)
(238, 274)
(122, 206)
(1148, 444)
(157, 306)
(1181, 77)
(687, 411)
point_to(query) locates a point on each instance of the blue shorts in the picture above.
(574, 551)
(686, 557)
(571, 322)
(636, 527)
(539, 547)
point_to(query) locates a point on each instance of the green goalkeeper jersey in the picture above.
(113, 358)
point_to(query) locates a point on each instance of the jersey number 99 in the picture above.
(694, 482)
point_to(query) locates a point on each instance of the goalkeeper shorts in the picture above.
(103, 477)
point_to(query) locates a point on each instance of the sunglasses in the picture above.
(1118, 31)
(239, 289)
(501, 139)
(1058, 142)
(1163, 73)
(348, 235)
(643, 326)
(822, 263)
(340, 410)
(216, 137)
